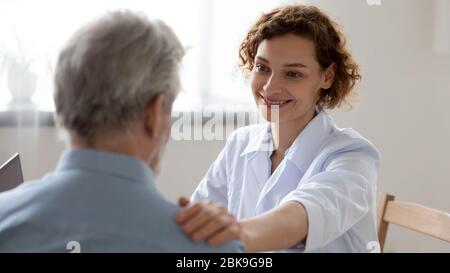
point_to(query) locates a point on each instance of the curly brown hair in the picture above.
(309, 22)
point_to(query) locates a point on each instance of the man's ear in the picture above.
(328, 76)
(154, 115)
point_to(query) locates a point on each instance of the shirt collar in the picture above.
(260, 141)
(128, 167)
(304, 148)
(308, 143)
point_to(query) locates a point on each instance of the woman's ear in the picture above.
(154, 116)
(328, 76)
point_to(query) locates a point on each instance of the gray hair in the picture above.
(110, 71)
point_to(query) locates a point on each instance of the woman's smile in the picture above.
(274, 102)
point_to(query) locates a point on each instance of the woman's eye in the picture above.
(293, 74)
(261, 68)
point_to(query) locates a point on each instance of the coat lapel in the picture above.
(302, 152)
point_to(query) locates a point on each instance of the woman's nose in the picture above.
(272, 86)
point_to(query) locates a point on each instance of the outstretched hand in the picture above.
(207, 220)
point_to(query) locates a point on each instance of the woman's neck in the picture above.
(284, 133)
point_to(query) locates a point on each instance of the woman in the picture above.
(297, 183)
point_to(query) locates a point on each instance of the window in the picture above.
(33, 32)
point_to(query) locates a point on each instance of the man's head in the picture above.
(115, 83)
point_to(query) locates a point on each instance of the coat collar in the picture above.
(308, 143)
(259, 141)
(304, 148)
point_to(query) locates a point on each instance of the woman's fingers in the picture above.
(183, 201)
(216, 223)
(208, 220)
(190, 211)
(224, 235)
(197, 221)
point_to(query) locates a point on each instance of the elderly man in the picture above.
(115, 84)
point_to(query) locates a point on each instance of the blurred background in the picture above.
(402, 46)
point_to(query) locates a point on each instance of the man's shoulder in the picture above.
(177, 241)
(146, 223)
(17, 195)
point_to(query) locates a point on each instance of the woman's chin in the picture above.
(270, 117)
(271, 114)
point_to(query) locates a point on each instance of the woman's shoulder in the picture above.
(343, 140)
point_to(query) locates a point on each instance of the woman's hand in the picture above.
(207, 220)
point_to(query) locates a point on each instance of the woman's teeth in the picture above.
(275, 102)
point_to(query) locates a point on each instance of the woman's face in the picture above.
(287, 76)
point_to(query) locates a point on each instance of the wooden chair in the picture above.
(413, 216)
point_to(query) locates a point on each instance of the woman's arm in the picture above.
(280, 228)
(213, 186)
(335, 199)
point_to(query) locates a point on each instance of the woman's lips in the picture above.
(275, 102)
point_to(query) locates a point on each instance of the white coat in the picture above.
(332, 172)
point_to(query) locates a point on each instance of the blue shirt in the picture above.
(331, 171)
(105, 202)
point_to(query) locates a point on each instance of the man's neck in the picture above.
(110, 142)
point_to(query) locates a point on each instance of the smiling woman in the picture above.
(322, 46)
(298, 182)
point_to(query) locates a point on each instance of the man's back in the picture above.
(106, 202)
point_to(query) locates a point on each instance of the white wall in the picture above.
(403, 109)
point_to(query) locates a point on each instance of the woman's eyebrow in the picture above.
(262, 59)
(296, 65)
(286, 65)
